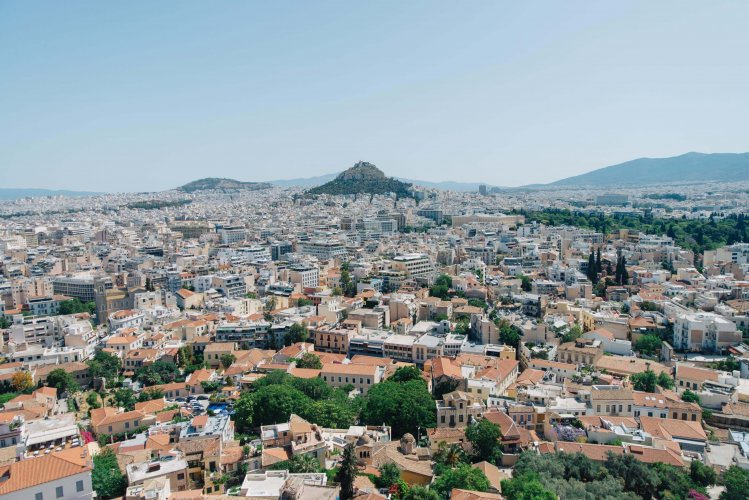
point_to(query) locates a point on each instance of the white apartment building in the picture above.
(413, 264)
(323, 249)
(307, 276)
(704, 331)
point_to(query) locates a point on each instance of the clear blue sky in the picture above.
(126, 96)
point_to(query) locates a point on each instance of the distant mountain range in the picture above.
(15, 194)
(222, 184)
(363, 178)
(689, 167)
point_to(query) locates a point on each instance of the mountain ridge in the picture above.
(688, 167)
(222, 183)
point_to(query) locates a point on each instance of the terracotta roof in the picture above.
(35, 471)
(304, 372)
(361, 359)
(356, 370)
(458, 494)
(694, 373)
(669, 428)
(595, 452)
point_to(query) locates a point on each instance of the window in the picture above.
(58, 492)
(127, 425)
(39, 496)
(79, 486)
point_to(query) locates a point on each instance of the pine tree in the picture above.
(599, 267)
(347, 473)
(591, 268)
(625, 274)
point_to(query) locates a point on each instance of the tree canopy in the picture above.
(62, 381)
(405, 406)
(107, 479)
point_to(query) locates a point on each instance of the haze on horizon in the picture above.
(144, 96)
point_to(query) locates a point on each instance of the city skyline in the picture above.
(145, 98)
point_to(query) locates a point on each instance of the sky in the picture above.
(146, 96)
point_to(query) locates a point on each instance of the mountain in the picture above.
(217, 183)
(15, 194)
(309, 182)
(363, 177)
(689, 167)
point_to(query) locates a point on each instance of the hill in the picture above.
(221, 184)
(309, 182)
(362, 178)
(17, 193)
(689, 167)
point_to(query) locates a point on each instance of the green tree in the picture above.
(302, 464)
(297, 333)
(244, 409)
(701, 474)
(484, 437)
(526, 487)
(463, 477)
(644, 381)
(347, 284)
(574, 333)
(160, 372)
(125, 398)
(648, 344)
(104, 365)
(526, 284)
(690, 397)
(309, 360)
(406, 406)
(75, 306)
(418, 492)
(150, 395)
(107, 479)
(441, 287)
(227, 359)
(275, 403)
(62, 381)
(638, 477)
(736, 481)
(508, 334)
(406, 373)
(389, 475)
(92, 400)
(664, 380)
(347, 473)
(449, 455)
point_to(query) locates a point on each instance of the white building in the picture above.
(704, 331)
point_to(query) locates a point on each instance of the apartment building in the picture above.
(413, 264)
(323, 249)
(306, 276)
(704, 331)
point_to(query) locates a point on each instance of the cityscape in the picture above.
(377, 329)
